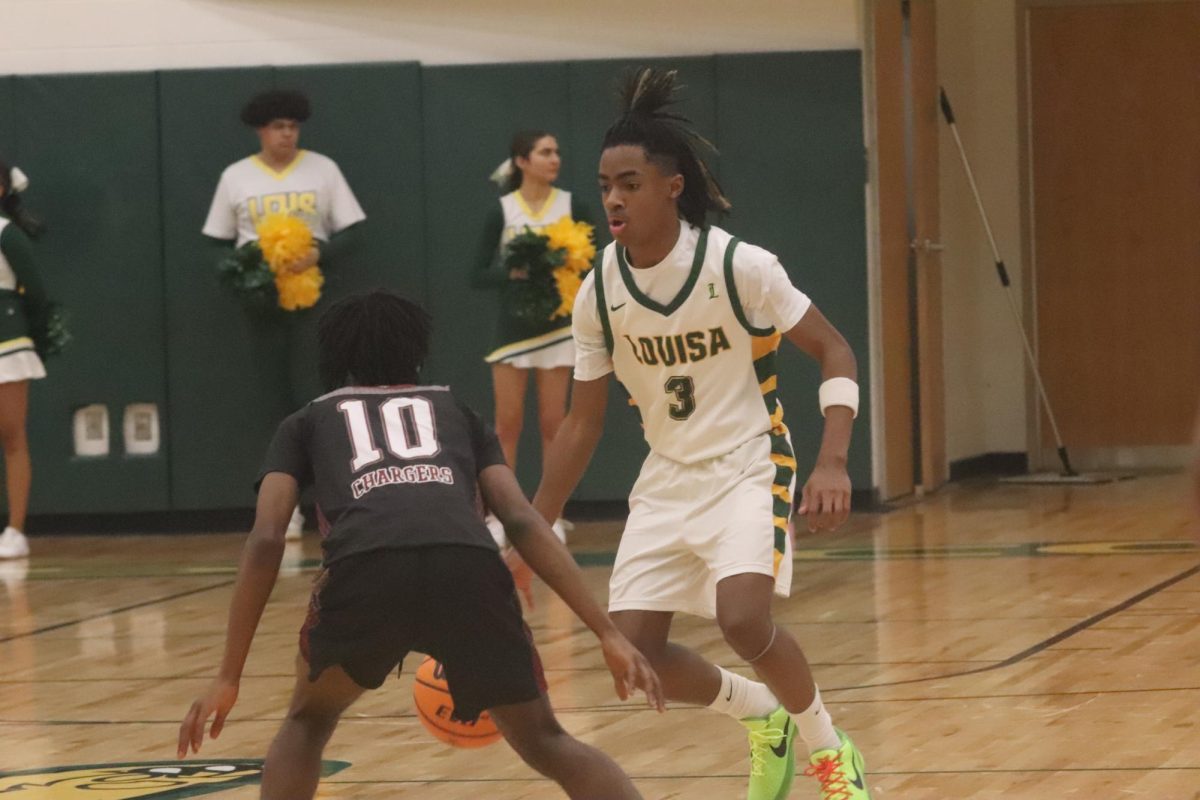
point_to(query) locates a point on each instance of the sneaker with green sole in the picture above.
(772, 758)
(840, 772)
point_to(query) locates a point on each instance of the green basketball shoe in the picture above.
(840, 772)
(772, 760)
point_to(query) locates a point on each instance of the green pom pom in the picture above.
(536, 298)
(49, 333)
(247, 274)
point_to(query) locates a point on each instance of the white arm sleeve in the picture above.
(768, 296)
(344, 209)
(592, 360)
(222, 214)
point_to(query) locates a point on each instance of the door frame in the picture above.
(930, 438)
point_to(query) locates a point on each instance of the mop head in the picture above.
(1078, 479)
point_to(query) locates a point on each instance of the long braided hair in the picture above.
(376, 338)
(669, 140)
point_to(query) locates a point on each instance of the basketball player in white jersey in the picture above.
(282, 178)
(689, 321)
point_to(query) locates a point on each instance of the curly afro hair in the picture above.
(275, 104)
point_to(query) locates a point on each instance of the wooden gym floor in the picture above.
(989, 641)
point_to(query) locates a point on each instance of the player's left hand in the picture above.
(825, 499)
(630, 670)
(219, 699)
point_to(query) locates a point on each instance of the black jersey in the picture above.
(391, 466)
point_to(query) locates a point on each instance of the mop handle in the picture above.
(1002, 272)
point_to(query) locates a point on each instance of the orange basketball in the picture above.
(434, 705)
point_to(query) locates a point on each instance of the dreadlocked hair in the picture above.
(11, 206)
(669, 140)
(376, 338)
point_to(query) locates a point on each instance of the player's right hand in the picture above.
(631, 671)
(219, 699)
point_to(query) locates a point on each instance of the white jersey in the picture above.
(311, 188)
(693, 340)
(518, 215)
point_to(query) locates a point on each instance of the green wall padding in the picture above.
(368, 119)
(90, 146)
(124, 166)
(791, 138)
(265, 365)
(227, 368)
(8, 116)
(470, 115)
(374, 134)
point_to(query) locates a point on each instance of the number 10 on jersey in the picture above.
(408, 430)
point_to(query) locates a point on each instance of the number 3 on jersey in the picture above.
(684, 389)
(408, 430)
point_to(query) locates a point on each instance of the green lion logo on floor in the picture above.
(160, 780)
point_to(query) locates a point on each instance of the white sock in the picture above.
(815, 726)
(741, 697)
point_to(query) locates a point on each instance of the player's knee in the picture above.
(316, 721)
(748, 634)
(654, 648)
(545, 749)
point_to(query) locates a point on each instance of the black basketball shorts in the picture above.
(455, 603)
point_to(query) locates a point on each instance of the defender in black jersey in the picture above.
(408, 562)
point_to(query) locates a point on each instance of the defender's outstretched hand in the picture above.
(631, 671)
(219, 699)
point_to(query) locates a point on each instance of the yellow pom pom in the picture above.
(299, 290)
(283, 240)
(576, 239)
(568, 282)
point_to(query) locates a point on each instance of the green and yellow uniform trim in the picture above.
(18, 345)
(525, 346)
(278, 174)
(764, 347)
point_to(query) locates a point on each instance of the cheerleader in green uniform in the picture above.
(22, 304)
(521, 346)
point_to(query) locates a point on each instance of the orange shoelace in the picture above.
(833, 783)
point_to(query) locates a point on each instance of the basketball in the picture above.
(434, 705)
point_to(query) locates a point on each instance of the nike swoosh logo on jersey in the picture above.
(780, 749)
(616, 308)
(730, 695)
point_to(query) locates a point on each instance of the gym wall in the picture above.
(123, 169)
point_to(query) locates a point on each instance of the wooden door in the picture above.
(1114, 105)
